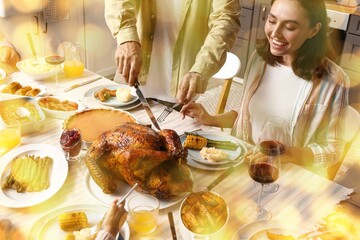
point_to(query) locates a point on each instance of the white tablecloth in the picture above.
(302, 200)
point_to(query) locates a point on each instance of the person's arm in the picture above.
(198, 112)
(121, 19)
(224, 24)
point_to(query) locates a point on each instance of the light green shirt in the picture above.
(208, 29)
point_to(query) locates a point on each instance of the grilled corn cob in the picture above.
(195, 142)
(73, 221)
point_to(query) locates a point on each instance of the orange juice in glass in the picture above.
(10, 137)
(143, 213)
(73, 68)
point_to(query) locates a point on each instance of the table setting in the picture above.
(299, 206)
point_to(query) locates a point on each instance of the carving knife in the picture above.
(146, 106)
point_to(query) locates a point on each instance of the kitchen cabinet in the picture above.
(350, 58)
(253, 17)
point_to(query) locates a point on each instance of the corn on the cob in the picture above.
(195, 142)
(73, 221)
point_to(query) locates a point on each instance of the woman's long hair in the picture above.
(310, 57)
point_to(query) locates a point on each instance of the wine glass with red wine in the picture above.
(265, 161)
(274, 128)
(54, 55)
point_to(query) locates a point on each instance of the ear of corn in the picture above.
(195, 142)
(73, 221)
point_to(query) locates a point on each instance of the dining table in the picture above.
(302, 201)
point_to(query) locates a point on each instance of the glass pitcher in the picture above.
(73, 65)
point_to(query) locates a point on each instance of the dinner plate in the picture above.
(58, 173)
(232, 154)
(258, 230)
(113, 101)
(47, 227)
(122, 188)
(89, 94)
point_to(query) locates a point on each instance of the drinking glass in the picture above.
(274, 128)
(264, 168)
(143, 212)
(54, 55)
(10, 137)
(265, 161)
(71, 141)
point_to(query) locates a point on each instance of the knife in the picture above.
(146, 106)
(81, 84)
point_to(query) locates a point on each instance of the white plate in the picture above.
(59, 170)
(47, 227)
(196, 164)
(233, 155)
(257, 230)
(90, 94)
(113, 101)
(43, 89)
(122, 188)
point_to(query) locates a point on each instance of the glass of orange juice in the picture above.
(10, 137)
(73, 65)
(143, 213)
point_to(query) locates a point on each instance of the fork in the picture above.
(166, 112)
(96, 228)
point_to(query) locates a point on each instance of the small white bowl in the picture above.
(38, 70)
(58, 113)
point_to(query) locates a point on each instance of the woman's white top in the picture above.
(166, 33)
(277, 95)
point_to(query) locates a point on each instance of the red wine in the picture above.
(54, 60)
(263, 172)
(271, 148)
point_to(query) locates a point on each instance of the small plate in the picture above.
(58, 173)
(258, 230)
(89, 95)
(233, 155)
(122, 188)
(43, 90)
(47, 227)
(113, 101)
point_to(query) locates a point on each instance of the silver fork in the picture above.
(96, 228)
(166, 113)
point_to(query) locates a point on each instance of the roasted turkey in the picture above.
(138, 154)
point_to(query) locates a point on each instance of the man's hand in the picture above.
(128, 61)
(192, 84)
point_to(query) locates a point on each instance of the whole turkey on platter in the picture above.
(136, 153)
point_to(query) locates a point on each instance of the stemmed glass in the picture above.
(274, 128)
(265, 161)
(54, 55)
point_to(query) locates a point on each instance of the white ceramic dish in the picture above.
(113, 101)
(29, 126)
(47, 227)
(43, 89)
(122, 188)
(257, 230)
(58, 113)
(233, 155)
(37, 71)
(59, 170)
(90, 93)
